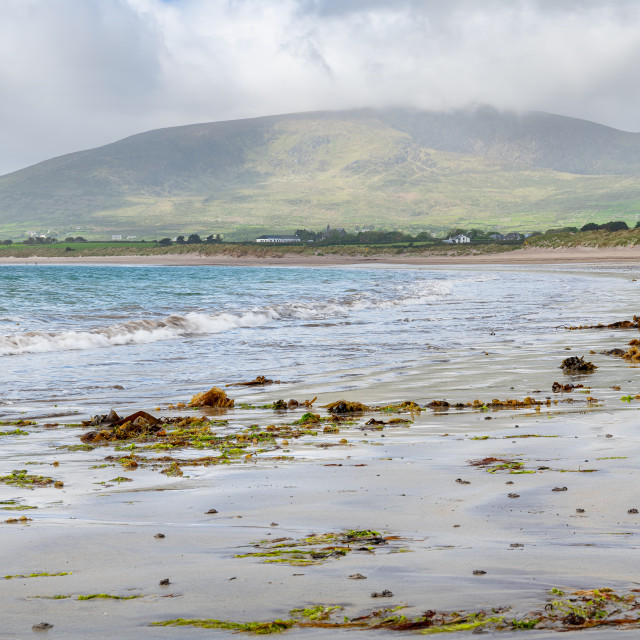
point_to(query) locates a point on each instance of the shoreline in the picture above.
(527, 256)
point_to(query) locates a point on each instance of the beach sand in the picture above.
(526, 256)
(411, 481)
(400, 481)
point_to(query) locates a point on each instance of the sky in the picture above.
(76, 74)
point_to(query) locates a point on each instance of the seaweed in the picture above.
(107, 596)
(37, 575)
(257, 628)
(619, 324)
(577, 365)
(439, 405)
(558, 387)
(215, 397)
(346, 406)
(15, 432)
(580, 609)
(258, 381)
(315, 549)
(20, 478)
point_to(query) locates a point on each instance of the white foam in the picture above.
(194, 323)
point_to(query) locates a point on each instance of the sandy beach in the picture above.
(492, 518)
(523, 256)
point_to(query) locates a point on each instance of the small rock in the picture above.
(516, 545)
(632, 511)
(559, 489)
(478, 572)
(461, 481)
(357, 576)
(164, 582)
(159, 535)
(509, 482)
(275, 524)
(608, 435)
(579, 510)
(212, 511)
(514, 495)
(42, 626)
(383, 594)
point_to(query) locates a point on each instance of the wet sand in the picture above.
(400, 481)
(526, 256)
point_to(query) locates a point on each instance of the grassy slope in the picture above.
(281, 173)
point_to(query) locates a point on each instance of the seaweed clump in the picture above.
(215, 397)
(20, 478)
(258, 381)
(576, 364)
(345, 406)
(137, 424)
(566, 612)
(317, 548)
(558, 387)
(620, 324)
(633, 352)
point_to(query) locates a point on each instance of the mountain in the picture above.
(402, 168)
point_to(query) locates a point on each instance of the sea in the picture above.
(86, 338)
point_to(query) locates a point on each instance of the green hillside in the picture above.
(409, 169)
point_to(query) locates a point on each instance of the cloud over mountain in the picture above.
(79, 73)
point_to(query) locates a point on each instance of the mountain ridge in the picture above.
(394, 167)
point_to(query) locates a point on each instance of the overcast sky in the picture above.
(76, 74)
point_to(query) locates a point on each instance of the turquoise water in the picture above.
(73, 335)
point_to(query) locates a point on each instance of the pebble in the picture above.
(357, 576)
(212, 511)
(383, 594)
(632, 511)
(164, 582)
(159, 535)
(42, 626)
(478, 572)
(461, 481)
(559, 489)
(514, 495)
(579, 510)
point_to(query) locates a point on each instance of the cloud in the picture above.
(80, 73)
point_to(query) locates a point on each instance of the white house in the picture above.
(278, 239)
(459, 239)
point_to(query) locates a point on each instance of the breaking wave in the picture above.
(196, 323)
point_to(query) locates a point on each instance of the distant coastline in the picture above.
(527, 255)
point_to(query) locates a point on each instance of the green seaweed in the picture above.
(257, 628)
(20, 478)
(15, 432)
(20, 507)
(319, 612)
(38, 575)
(107, 596)
(525, 623)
